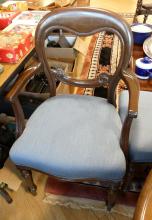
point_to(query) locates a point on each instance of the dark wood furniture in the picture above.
(142, 9)
(138, 168)
(143, 209)
(99, 20)
(4, 193)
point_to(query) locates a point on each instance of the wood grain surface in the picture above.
(144, 205)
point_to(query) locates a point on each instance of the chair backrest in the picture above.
(85, 22)
(142, 9)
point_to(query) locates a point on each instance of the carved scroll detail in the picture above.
(104, 79)
(58, 72)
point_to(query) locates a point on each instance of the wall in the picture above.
(127, 6)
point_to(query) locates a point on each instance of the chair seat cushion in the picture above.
(140, 142)
(73, 136)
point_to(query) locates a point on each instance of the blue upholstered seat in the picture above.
(68, 136)
(140, 142)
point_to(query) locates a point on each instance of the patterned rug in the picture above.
(102, 57)
(79, 196)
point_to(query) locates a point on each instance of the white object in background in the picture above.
(30, 17)
(143, 68)
(141, 28)
(71, 39)
(147, 47)
(17, 28)
(16, 5)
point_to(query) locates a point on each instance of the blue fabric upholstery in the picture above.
(73, 136)
(140, 142)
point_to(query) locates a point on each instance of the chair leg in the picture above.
(27, 176)
(128, 178)
(4, 193)
(135, 19)
(111, 197)
(145, 17)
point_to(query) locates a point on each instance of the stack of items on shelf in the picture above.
(9, 10)
(17, 37)
(63, 3)
(30, 17)
(13, 46)
(26, 22)
(6, 18)
(49, 4)
(15, 6)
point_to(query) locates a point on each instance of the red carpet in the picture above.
(79, 190)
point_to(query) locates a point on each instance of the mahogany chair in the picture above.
(142, 9)
(77, 137)
(140, 141)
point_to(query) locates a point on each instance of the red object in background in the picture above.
(13, 46)
(6, 18)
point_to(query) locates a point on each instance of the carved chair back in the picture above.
(84, 22)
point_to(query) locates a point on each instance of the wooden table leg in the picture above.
(4, 193)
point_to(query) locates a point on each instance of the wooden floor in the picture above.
(28, 207)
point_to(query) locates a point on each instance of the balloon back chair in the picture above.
(140, 141)
(76, 137)
(142, 9)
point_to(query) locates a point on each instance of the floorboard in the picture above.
(28, 207)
